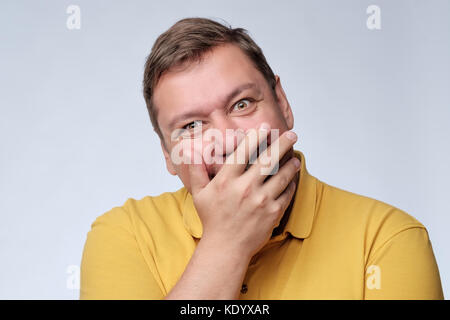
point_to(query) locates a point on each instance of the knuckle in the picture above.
(245, 189)
(261, 200)
(293, 188)
(277, 209)
(284, 180)
(221, 183)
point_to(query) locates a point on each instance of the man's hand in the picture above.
(239, 208)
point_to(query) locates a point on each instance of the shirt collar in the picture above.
(300, 219)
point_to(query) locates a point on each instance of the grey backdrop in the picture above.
(372, 111)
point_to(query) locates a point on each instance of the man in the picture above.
(233, 232)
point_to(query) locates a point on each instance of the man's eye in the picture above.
(242, 104)
(193, 124)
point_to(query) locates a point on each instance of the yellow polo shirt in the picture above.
(335, 245)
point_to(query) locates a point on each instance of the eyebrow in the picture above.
(238, 90)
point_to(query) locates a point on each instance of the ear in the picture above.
(283, 103)
(169, 163)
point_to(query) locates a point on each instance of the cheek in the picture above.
(182, 171)
(182, 154)
(267, 114)
(183, 174)
(274, 117)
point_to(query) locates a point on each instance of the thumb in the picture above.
(198, 175)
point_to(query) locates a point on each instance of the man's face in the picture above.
(222, 91)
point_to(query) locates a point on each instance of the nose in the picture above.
(230, 134)
(220, 140)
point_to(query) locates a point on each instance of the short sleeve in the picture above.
(403, 267)
(112, 265)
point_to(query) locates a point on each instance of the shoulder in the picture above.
(148, 211)
(360, 216)
(166, 204)
(364, 207)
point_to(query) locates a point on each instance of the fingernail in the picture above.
(296, 163)
(291, 135)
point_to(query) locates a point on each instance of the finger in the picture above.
(237, 161)
(198, 175)
(276, 184)
(285, 199)
(268, 161)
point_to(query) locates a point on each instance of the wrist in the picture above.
(224, 250)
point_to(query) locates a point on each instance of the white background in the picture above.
(372, 111)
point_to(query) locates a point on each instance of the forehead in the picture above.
(203, 85)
